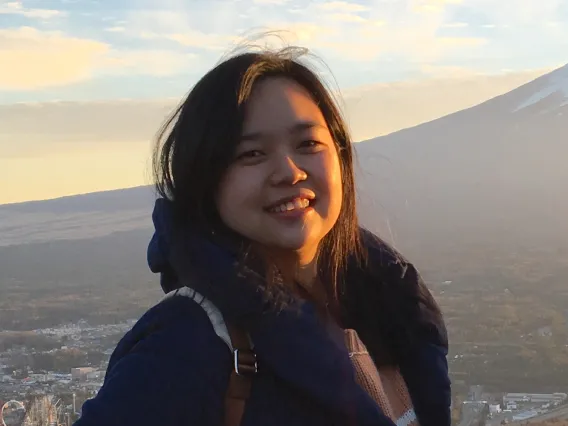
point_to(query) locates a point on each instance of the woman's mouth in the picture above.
(294, 204)
(292, 208)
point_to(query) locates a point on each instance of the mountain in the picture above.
(78, 217)
(492, 174)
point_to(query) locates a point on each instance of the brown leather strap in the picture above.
(240, 382)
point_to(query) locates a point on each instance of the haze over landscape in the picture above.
(462, 131)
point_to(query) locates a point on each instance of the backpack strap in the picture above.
(244, 358)
(240, 381)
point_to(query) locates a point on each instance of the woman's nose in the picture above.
(287, 172)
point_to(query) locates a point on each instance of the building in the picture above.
(537, 398)
(96, 375)
(475, 393)
(494, 408)
(81, 373)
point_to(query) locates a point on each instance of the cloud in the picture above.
(145, 62)
(346, 29)
(17, 8)
(341, 11)
(117, 29)
(425, 6)
(519, 34)
(185, 29)
(375, 30)
(395, 30)
(342, 7)
(456, 25)
(409, 33)
(516, 12)
(192, 38)
(461, 41)
(346, 17)
(40, 59)
(301, 32)
(278, 2)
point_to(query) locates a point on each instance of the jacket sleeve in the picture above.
(161, 380)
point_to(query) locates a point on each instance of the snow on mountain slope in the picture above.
(554, 88)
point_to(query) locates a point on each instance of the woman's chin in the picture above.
(301, 250)
(289, 241)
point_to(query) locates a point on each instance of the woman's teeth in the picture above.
(299, 203)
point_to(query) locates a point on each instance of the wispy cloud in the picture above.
(192, 38)
(353, 31)
(342, 7)
(116, 29)
(41, 59)
(456, 25)
(346, 17)
(517, 13)
(432, 5)
(408, 29)
(17, 8)
(356, 31)
(145, 62)
(279, 2)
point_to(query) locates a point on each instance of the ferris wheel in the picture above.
(12, 413)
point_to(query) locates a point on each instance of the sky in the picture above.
(84, 84)
(102, 49)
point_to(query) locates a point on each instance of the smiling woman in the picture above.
(280, 309)
(283, 191)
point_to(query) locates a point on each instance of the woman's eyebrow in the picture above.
(296, 128)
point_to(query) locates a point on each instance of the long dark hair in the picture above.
(197, 144)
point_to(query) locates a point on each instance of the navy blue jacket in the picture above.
(172, 369)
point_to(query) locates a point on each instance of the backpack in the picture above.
(244, 358)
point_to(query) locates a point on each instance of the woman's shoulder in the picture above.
(174, 328)
(172, 357)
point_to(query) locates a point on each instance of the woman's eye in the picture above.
(310, 144)
(255, 153)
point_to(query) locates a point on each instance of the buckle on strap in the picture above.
(245, 362)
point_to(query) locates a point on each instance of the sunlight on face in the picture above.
(283, 190)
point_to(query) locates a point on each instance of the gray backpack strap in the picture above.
(210, 309)
(244, 358)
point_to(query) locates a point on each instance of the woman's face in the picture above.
(283, 190)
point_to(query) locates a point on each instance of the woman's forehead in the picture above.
(281, 105)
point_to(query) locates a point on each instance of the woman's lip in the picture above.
(292, 214)
(310, 197)
(271, 209)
